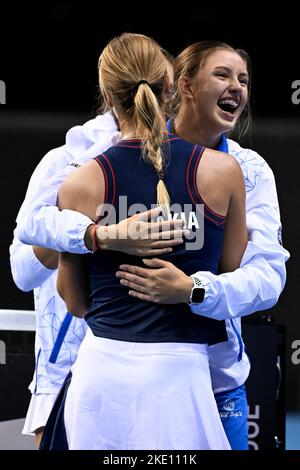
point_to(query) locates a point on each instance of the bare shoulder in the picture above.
(219, 176)
(82, 189)
(223, 164)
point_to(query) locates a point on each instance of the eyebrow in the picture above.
(245, 74)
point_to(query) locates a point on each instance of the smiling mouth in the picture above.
(228, 105)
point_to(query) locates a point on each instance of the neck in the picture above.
(191, 128)
(128, 132)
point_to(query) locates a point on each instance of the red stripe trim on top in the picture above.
(105, 177)
(123, 143)
(171, 139)
(188, 186)
(130, 146)
(187, 174)
(106, 184)
(113, 178)
(196, 188)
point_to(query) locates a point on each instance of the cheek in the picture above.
(244, 98)
(207, 98)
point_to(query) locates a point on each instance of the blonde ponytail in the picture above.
(150, 123)
(132, 73)
(163, 198)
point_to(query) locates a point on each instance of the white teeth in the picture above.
(229, 102)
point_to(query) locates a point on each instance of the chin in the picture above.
(224, 126)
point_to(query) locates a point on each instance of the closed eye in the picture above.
(222, 74)
(244, 81)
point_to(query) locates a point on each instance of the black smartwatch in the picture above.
(198, 291)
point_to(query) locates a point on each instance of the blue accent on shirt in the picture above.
(223, 144)
(221, 147)
(239, 340)
(60, 337)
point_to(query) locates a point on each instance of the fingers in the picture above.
(152, 214)
(148, 215)
(135, 270)
(158, 247)
(156, 252)
(135, 286)
(168, 234)
(168, 224)
(141, 296)
(166, 243)
(165, 226)
(156, 263)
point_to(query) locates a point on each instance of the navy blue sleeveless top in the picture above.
(113, 313)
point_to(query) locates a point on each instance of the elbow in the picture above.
(75, 308)
(22, 283)
(23, 286)
(270, 293)
(277, 285)
(76, 311)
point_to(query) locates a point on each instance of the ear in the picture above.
(185, 87)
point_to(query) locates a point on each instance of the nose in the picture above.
(235, 84)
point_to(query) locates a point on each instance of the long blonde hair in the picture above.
(132, 73)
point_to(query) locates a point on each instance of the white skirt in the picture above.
(127, 395)
(38, 412)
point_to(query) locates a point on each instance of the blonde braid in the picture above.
(151, 125)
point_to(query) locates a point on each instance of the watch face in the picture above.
(198, 295)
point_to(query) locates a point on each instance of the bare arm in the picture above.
(46, 256)
(82, 191)
(235, 235)
(73, 283)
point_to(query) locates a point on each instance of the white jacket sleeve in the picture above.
(259, 281)
(27, 271)
(46, 226)
(42, 223)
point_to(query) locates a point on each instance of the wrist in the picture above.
(97, 238)
(89, 237)
(101, 238)
(187, 289)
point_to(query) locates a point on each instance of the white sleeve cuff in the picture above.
(39, 273)
(209, 296)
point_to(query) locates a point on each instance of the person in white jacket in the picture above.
(255, 286)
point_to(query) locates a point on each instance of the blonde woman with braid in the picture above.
(141, 379)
